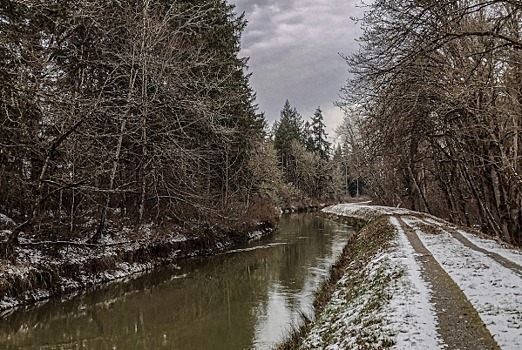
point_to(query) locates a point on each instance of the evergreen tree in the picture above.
(309, 140)
(338, 153)
(318, 138)
(140, 106)
(289, 129)
(230, 97)
(304, 154)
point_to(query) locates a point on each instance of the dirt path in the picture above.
(516, 268)
(459, 323)
(434, 286)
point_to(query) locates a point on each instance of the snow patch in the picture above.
(410, 312)
(254, 235)
(494, 290)
(363, 211)
(4, 219)
(266, 246)
(350, 317)
(389, 304)
(489, 244)
(495, 247)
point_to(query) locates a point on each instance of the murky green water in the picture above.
(245, 299)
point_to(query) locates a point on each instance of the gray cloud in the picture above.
(294, 51)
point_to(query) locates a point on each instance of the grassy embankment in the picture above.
(350, 281)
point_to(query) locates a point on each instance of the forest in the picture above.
(130, 113)
(433, 111)
(139, 180)
(125, 113)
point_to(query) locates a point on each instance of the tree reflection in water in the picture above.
(240, 300)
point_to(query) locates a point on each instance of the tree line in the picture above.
(136, 110)
(129, 112)
(297, 164)
(303, 156)
(433, 112)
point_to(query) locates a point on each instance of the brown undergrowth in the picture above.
(38, 270)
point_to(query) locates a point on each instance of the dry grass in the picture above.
(49, 269)
(359, 249)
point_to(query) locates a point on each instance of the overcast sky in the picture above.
(294, 48)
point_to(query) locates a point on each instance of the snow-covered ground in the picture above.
(387, 302)
(488, 244)
(406, 317)
(512, 254)
(410, 310)
(363, 210)
(350, 319)
(494, 291)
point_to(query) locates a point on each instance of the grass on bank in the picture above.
(354, 292)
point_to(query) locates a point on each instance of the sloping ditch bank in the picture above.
(373, 233)
(42, 270)
(39, 270)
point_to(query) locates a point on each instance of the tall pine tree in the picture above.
(318, 138)
(289, 129)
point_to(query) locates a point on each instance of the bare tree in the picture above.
(121, 110)
(439, 82)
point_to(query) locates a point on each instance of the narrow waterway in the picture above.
(245, 299)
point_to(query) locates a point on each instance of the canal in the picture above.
(247, 298)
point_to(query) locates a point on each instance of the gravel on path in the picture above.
(459, 323)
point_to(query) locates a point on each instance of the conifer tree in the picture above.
(309, 140)
(122, 110)
(289, 129)
(318, 136)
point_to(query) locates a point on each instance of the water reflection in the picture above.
(242, 300)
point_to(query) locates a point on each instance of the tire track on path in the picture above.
(516, 268)
(460, 326)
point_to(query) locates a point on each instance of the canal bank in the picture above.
(42, 270)
(38, 270)
(409, 280)
(372, 233)
(245, 298)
